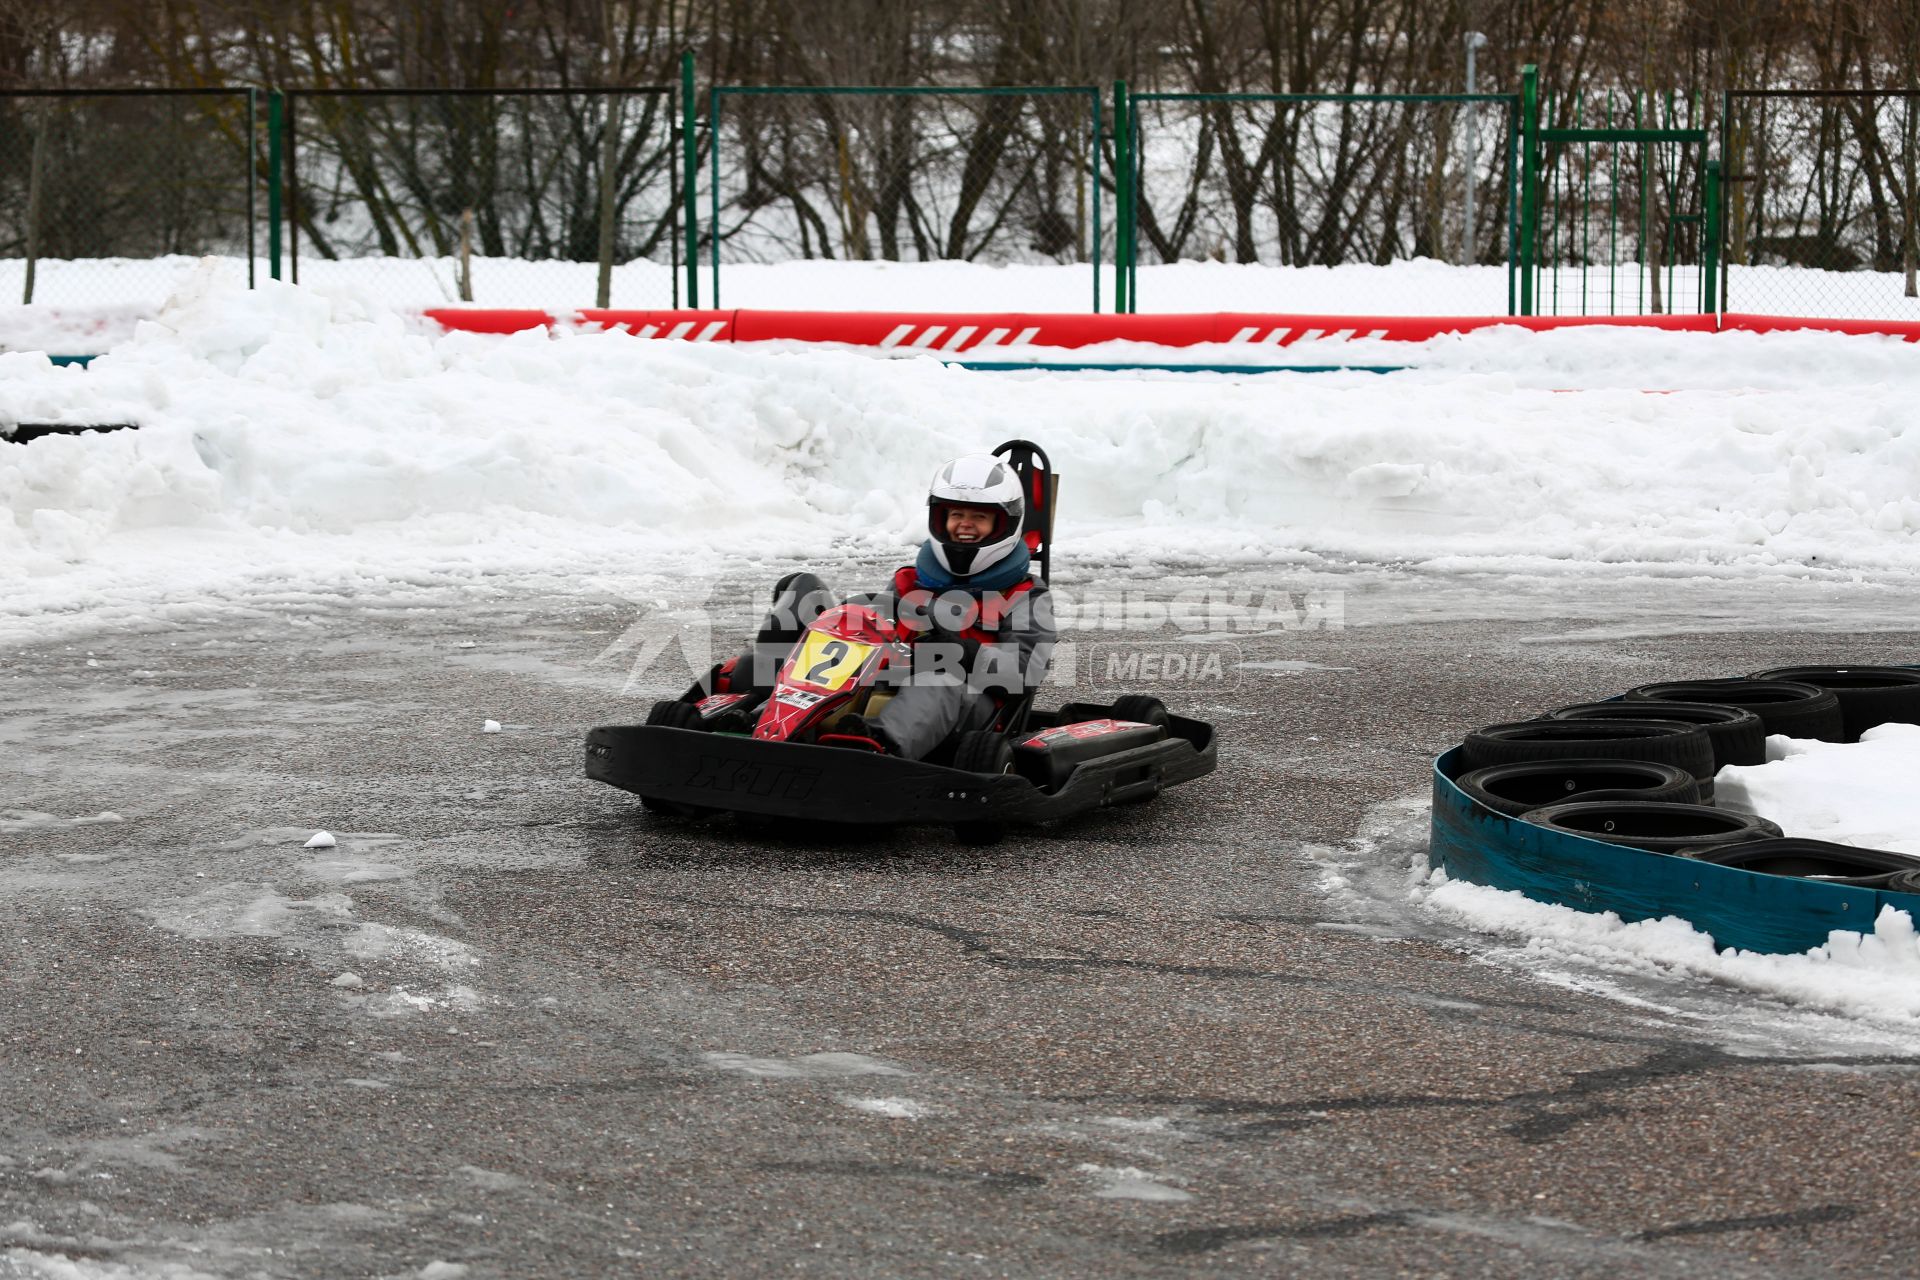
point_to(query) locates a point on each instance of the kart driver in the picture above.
(980, 624)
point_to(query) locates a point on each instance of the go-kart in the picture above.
(779, 752)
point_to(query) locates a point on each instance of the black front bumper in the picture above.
(836, 784)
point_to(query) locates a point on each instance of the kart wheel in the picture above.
(1139, 707)
(982, 751)
(675, 715)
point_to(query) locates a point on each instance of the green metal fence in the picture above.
(1610, 204)
(1821, 202)
(497, 196)
(1000, 175)
(1624, 198)
(1322, 180)
(108, 196)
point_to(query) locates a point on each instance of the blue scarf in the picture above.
(997, 577)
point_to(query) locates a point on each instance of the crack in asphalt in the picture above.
(1543, 1123)
(991, 1180)
(1755, 1222)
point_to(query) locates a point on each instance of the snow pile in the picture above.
(294, 436)
(1874, 975)
(1857, 793)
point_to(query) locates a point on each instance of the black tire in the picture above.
(1662, 742)
(1903, 882)
(1834, 863)
(1737, 735)
(982, 751)
(1659, 828)
(1784, 706)
(1869, 696)
(675, 715)
(1141, 709)
(1514, 789)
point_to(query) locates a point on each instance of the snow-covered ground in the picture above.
(316, 443)
(87, 306)
(300, 436)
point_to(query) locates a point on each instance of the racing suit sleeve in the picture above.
(1015, 659)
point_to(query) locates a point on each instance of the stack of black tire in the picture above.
(1638, 770)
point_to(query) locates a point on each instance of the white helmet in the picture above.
(976, 480)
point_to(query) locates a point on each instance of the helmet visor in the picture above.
(995, 522)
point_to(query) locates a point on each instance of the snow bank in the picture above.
(89, 305)
(1859, 793)
(1874, 975)
(303, 437)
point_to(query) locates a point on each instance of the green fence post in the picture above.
(253, 181)
(713, 154)
(1093, 173)
(1726, 156)
(1513, 204)
(1123, 205)
(1530, 161)
(276, 110)
(690, 155)
(1710, 250)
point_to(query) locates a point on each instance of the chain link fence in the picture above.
(108, 198)
(510, 197)
(1003, 176)
(1821, 203)
(566, 197)
(1328, 181)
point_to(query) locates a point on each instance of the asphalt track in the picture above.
(511, 1024)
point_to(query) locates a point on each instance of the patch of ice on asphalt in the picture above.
(248, 910)
(892, 1108)
(1152, 1124)
(267, 836)
(813, 1066)
(1129, 1183)
(489, 1179)
(34, 820)
(351, 871)
(28, 1264)
(400, 1002)
(386, 942)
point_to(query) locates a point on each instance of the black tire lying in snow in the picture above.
(1784, 706)
(1737, 735)
(1822, 859)
(1903, 882)
(1659, 828)
(1660, 741)
(1868, 696)
(1513, 789)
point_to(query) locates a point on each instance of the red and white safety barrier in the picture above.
(988, 332)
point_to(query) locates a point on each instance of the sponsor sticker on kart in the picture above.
(1083, 729)
(719, 702)
(799, 697)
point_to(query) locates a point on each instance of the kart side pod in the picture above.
(1048, 757)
